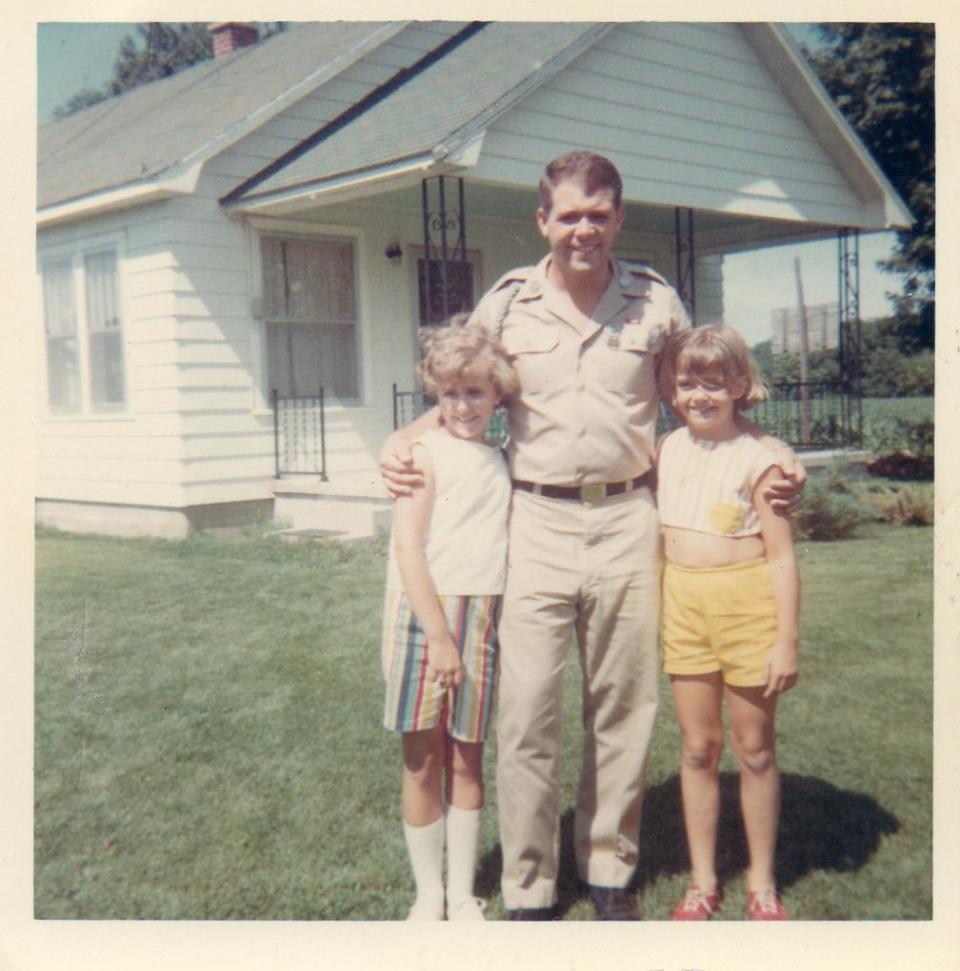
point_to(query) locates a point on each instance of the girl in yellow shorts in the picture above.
(730, 606)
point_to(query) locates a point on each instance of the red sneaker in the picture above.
(697, 905)
(765, 905)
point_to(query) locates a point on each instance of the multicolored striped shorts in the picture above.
(413, 702)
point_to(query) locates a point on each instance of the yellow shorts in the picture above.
(719, 619)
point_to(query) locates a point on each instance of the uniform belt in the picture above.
(594, 492)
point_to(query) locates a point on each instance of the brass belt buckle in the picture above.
(594, 492)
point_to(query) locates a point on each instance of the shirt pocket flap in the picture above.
(533, 341)
(644, 337)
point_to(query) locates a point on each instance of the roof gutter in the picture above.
(179, 181)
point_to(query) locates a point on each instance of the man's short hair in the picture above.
(594, 170)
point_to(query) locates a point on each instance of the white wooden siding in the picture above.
(133, 457)
(690, 116)
(215, 333)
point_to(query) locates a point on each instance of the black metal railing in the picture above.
(808, 414)
(811, 414)
(409, 405)
(299, 435)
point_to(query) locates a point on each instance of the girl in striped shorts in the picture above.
(445, 577)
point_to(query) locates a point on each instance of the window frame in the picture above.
(259, 227)
(75, 254)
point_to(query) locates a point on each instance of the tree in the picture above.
(882, 79)
(155, 50)
(164, 49)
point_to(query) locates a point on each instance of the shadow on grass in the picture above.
(821, 828)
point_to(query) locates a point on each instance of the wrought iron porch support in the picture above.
(444, 239)
(686, 259)
(848, 343)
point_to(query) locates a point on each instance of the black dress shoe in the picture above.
(534, 913)
(614, 903)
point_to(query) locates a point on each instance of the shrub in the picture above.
(827, 512)
(885, 435)
(902, 465)
(903, 446)
(903, 505)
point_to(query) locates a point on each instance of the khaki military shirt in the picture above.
(587, 406)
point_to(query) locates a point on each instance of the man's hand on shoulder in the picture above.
(397, 470)
(783, 493)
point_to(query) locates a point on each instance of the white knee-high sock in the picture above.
(425, 847)
(463, 838)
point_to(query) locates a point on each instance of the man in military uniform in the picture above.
(583, 331)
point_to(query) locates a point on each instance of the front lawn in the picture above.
(208, 740)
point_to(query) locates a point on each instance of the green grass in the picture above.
(910, 409)
(208, 740)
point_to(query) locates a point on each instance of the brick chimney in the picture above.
(232, 35)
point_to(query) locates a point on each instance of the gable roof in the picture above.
(194, 113)
(435, 110)
(431, 114)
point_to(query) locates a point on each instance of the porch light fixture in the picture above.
(394, 253)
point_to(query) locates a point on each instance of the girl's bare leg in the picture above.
(699, 703)
(421, 798)
(464, 772)
(752, 736)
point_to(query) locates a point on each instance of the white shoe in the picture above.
(426, 910)
(470, 908)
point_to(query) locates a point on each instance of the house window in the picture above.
(103, 328)
(459, 290)
(84, 333)
(310, 311)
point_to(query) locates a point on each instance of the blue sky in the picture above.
(73, 56)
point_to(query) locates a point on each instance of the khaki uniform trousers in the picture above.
(589, 569)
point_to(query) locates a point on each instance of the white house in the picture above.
(258, 222)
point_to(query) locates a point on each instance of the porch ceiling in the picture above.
(715, 232)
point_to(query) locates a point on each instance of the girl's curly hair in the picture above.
(461, 350)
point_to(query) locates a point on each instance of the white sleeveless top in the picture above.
(708, 486)
(466, 543)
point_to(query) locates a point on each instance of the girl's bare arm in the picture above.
(781, 666)
(411, 523)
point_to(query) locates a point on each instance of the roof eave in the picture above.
(179, 181)
(797, 80)
(343, 187)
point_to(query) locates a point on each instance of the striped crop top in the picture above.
(708, 486)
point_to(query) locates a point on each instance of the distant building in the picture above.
(823, 328)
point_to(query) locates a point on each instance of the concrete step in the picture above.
(343, 510)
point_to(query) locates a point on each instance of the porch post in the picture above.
(444, 246)
(683, 243)
(849, 350)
